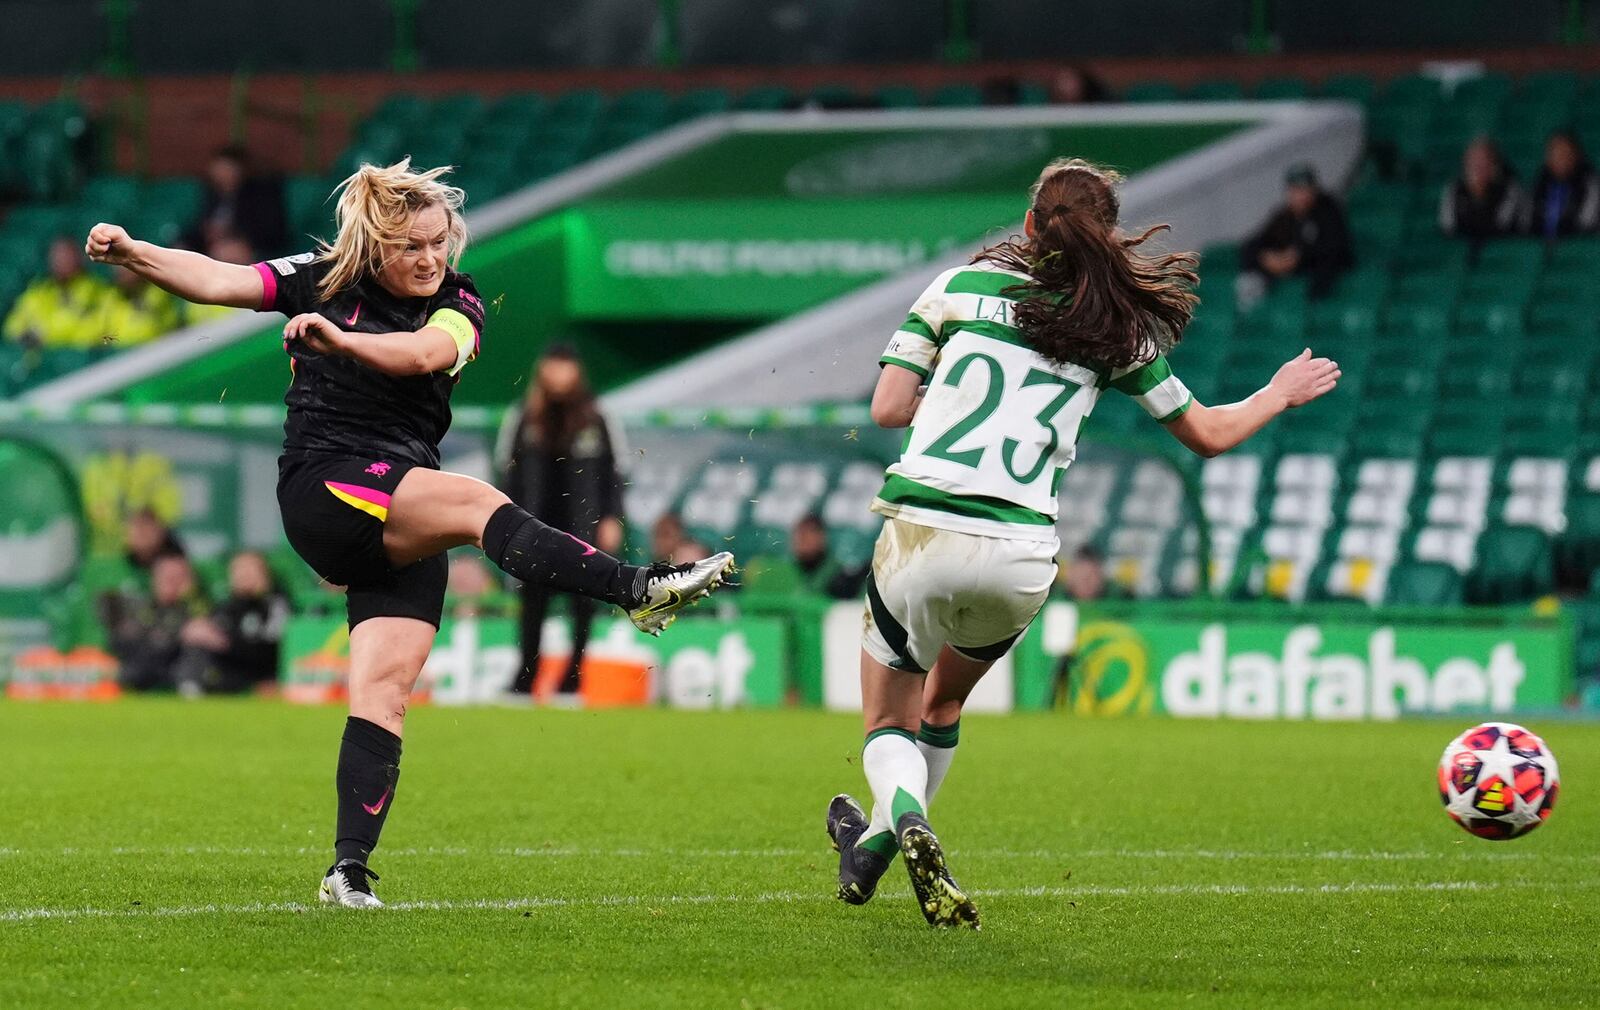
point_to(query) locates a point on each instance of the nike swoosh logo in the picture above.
(588, 549)
(351, 322)
(377, 808)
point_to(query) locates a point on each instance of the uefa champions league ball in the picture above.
(1498, 781)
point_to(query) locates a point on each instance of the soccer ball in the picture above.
(1498, 781)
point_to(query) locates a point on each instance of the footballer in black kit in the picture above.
(380, 326)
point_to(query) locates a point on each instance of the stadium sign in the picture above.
(1344, 668)
(766, 221)
(701, 664)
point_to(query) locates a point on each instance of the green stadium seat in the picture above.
(1486, 90)
(1032, 93)
(1349, 87)
(1490, 319)
(461, 110)
(543, 163)
(1564, 378)
(768, 98)
(1416, 321)
(176, 198)
(699, 102)
(1549, 85)
(1426, 287)
(1378, 194)
(568, 140)
(1575, 252)
(1281, 88)
(1347, 320)
(48, 167)
(956, 96)
(1513, 565)
(522, 107)
(1399, 134)
(1411, 91)
(1476, 436)
(1377, 226)
(898, 96)
(1456, 125)
(36, 223)
(308, 205)
(1511, 255)
(834, 96)
(1423, 584)
(110, 194)
(583, 106)
(1222, 89)
(1150, 91)
(402, 110)
(1526, 122)
(1402, 383)
(644, 104)
(1209, 334)
(1386, 443)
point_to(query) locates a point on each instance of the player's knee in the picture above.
(941, 712)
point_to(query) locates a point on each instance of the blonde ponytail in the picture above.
(375, 207)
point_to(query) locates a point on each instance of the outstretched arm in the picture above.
(189, 275)
(1211, 431)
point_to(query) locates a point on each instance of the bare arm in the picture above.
(423, 352)
(189, 275)
(896, 398)
(1211, 431)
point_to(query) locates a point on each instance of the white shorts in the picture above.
(931, 587)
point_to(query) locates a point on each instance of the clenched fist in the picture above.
(109, 243)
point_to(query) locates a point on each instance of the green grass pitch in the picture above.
(161, 854)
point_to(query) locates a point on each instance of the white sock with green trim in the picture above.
(897, 774)
(938, 747)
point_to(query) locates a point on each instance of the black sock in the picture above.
(542, 555)
(369, 767)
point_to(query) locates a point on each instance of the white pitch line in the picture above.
(569, 852)
(799, 897)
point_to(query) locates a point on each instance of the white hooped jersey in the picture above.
(999, 423)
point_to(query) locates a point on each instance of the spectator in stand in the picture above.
(667, 535)
(1485, 201)
(810, 567)
(1084, 577)
(136, 311)
(235, 648)
(669, 540)
(1307, 237)
(561, 465)
(62, 310)
(148, 538)
(471, 590)
(1566, 198)
(240, 203)
(1077, 85)
(146, 632)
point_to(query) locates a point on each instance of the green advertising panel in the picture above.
(1317, 665)
(763, 224)
(701, 663)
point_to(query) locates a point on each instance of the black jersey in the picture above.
(340, 405)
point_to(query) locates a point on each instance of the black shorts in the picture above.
(334, 508)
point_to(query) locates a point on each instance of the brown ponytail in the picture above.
(1094, 298)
